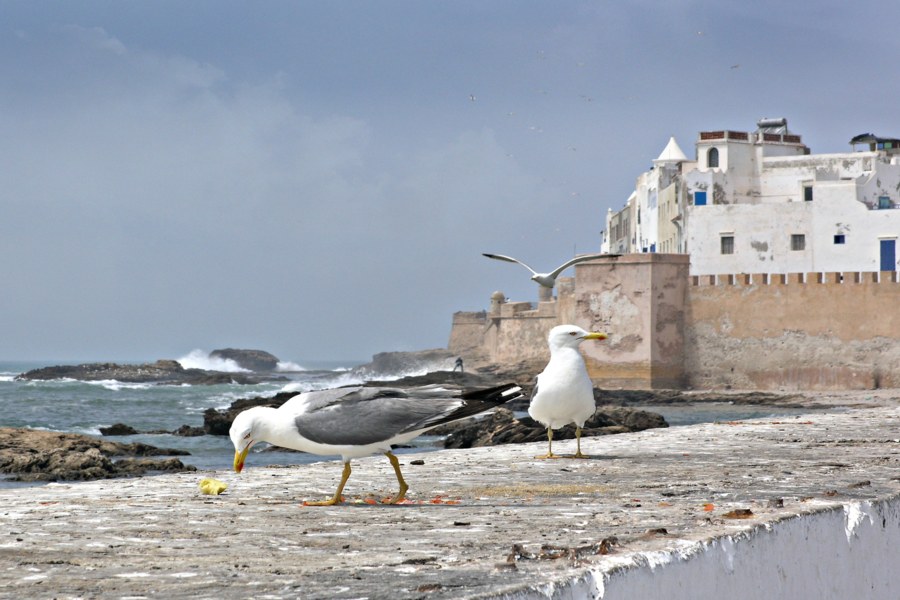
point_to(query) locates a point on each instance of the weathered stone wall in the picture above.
(638, 299)
(800, 331)
(813, 331)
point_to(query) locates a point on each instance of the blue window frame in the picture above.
(888, 255)
(699, 198)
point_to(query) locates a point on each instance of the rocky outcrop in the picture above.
(502, 427)
(160, 372)
(33, 455)
(218, 422)
(252, 360)
(398, 364)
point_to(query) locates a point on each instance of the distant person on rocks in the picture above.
(459, 365)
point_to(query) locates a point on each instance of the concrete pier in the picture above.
(799, 507)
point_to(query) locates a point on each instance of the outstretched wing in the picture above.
(555, 273)
(509, 259)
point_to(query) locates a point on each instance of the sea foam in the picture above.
(289, 367)
(200, 359)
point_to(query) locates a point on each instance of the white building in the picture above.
(760, 202)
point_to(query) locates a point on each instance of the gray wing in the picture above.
(360, 416)
(365, 415)
(573, 261)
(509, 259)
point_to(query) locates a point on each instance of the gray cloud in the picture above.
(315, 180)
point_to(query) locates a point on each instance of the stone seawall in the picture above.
(799, 331)
(805, 504)
(792, 332)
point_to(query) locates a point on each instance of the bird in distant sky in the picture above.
(548, 279)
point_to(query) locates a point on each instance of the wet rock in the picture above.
(162, 371)
(188, 431)
(118, 429)
(32, 455)
(218, 422)
(393, 364)
(502, 427)
(252, 360)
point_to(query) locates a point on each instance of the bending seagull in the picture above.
(564, 393)
(548, 279)
(357, 421)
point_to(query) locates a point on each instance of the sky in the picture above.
(319, 179)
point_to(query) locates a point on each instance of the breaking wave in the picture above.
(289, 367)
(200, 359)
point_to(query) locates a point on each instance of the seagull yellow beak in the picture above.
(595, 335)
(239, 456)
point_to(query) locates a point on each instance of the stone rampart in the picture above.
(793, 331)
(813, 331)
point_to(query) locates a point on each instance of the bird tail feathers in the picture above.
(495, 395)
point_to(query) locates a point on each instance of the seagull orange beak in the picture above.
(595, 335)
(239, 457)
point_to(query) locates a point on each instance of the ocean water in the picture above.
(84, 407)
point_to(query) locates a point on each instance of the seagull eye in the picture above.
(247, 437)
(573, 333)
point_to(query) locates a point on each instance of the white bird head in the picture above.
(241, 434)
(570, 336)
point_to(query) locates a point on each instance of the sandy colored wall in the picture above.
(638, 299)
(812, 331)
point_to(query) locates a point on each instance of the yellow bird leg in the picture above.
(403, 487)
(549, 445)
(336, 499)
(578, 453)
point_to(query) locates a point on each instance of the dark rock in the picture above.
(466, 380)
(160, 372)
(188, 431)
(398, 364)
(118, 429)
(253, 360)
(502, 427)
(218, 422)
(32, 455)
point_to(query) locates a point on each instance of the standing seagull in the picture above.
(547, 280)
(564, 393)
(359, 420)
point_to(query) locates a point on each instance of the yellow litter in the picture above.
(212, 487)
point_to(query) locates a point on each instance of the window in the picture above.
(727, 244)
(699, 198)
(839, 238)
(807, 193)
(712, 158)
(798, 241)
(884, 202)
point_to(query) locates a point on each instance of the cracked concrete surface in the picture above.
(481, 523)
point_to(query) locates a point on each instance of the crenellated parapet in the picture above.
(815, 278)
(669, 329)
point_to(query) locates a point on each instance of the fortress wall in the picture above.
(795, 331)
(467, 333)
(671, 330)
(638, 299)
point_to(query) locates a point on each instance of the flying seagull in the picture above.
(359, 420)
(548, 279)
(564, 393)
